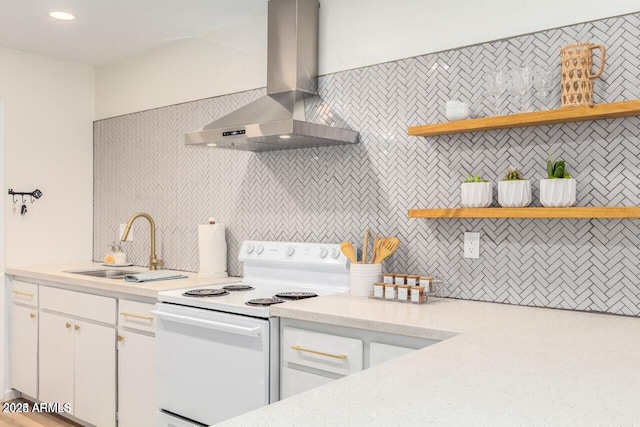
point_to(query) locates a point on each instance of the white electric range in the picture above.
(218, 349)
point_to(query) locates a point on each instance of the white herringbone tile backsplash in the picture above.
(332, 194)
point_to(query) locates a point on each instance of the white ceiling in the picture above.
(107, 30)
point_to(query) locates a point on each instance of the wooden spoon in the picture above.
(347, 249)
(390, 246)
(365, 247)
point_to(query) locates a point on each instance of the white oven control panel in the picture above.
(319, 265)
(292, 252)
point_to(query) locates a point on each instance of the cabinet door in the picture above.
(95, 373)
(136, 380)
(24, 350)
(56, 359)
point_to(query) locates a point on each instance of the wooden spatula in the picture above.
(388, 248)
(349, 252)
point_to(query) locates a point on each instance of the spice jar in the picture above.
(378, 289)
(388, 278)
(403, 292)
(427, 282)
(413, 280)
(418, 294)
(389, 291)
(400, 279)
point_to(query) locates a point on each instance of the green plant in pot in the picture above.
(514, 191)
(476, 192)
(559, 189)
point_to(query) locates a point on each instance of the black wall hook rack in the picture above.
(35, 194)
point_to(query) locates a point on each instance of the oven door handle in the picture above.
(209, 324)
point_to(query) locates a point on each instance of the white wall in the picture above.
(49, 109)
(353, 33)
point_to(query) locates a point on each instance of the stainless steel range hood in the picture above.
(279, 120)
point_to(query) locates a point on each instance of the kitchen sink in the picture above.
(106, 273)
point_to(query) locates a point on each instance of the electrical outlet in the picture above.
(472, 245)
(129, 237)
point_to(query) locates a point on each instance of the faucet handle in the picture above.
(160, 263)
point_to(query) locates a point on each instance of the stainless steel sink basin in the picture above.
(106, 273)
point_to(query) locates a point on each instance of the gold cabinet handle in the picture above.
(306, 350)
(120, 338)
(67, 325)
(137, 316)
(76, 327)
(24, 294)
(32, 315)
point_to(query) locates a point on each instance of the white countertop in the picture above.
(503, 365)
(56, 273)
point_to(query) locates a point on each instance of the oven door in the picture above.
(211, 366)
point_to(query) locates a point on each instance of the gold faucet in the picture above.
(154, 262)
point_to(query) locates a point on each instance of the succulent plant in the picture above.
(556, 169)
(514, 174)
(476, 178)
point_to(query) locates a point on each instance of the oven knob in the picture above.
(249, 248)
(290, 250)
(259, 249)
(335, 253)
(323, 252)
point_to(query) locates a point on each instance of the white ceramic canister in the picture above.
(362, 277)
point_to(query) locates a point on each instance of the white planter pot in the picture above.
(476, 194)
(514, 194)
(560, 192)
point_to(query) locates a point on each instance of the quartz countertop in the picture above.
(59, 274)
(497, 365)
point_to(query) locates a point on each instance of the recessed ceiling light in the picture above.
(62, 16)
(285, 136)
(212, 145)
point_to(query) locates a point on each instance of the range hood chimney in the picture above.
(278, 121)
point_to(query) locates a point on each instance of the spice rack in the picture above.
(397, 300)
(433, 287)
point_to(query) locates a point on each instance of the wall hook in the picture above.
(35, 194)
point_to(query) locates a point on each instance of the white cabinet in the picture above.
(78, 356)
(95, 374)
(310, 359)
(380, 353)
(24, 349)
(136, 365)
(314, 354)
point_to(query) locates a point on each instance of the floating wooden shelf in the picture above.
(536, 118)
(590, 212)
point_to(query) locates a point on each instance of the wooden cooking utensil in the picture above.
(376, 249)
(365, 247)
(376, 241)
(347, 249)
(389, 247)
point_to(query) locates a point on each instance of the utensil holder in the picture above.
(362, 277)
(577, 73)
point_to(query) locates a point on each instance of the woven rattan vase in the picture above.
(577, 73)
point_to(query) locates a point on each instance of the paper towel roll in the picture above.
(213, 251)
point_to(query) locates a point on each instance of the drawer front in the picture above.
(136, 315)
(294, 382)
(93, 307)
(330, 353)
(24, 293)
